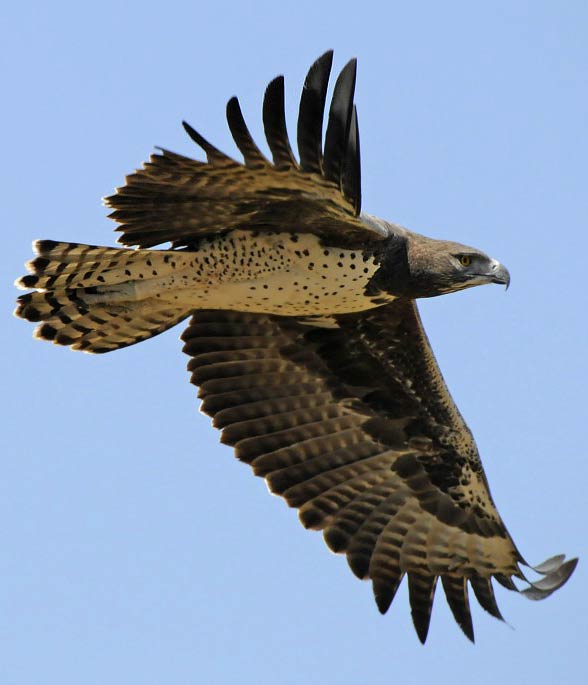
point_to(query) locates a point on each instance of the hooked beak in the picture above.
(499, 274)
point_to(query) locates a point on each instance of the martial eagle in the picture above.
(306, 343)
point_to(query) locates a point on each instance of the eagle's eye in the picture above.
(465, 260)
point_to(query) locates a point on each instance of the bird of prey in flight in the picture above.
(305, 341)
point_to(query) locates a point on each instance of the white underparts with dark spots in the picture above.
(272, 273)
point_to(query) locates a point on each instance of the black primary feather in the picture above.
(311, 113)
(421, 590)
(274, 124)
(385, 589)
(484, 592)
(213, 154)
(340, 116)
(456, 592)
(351, 180)
(251, 153)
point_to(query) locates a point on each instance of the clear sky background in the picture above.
(135, 548)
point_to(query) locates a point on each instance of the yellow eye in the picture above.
(465, 260)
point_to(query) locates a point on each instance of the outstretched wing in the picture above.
(177, 199)
(349, 419)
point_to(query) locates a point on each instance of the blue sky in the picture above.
(135, 548)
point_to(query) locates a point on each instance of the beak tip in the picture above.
(500, 274)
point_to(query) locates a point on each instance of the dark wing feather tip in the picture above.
(484, 593)
(251, 153)
(421, 591)
(213, 154)
(456, 593)
(385, 591)
(506, 581)
(351, 177)
(274, 123)
(311, 114)
(340, 115)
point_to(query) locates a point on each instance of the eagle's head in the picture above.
(437, 267)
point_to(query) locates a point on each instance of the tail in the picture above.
(85, 296)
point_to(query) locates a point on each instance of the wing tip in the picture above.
(274, 124)
(214, 156)
(341, 160)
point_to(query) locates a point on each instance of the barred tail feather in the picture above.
(75, 265)
(66, 320)
(83, 298)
